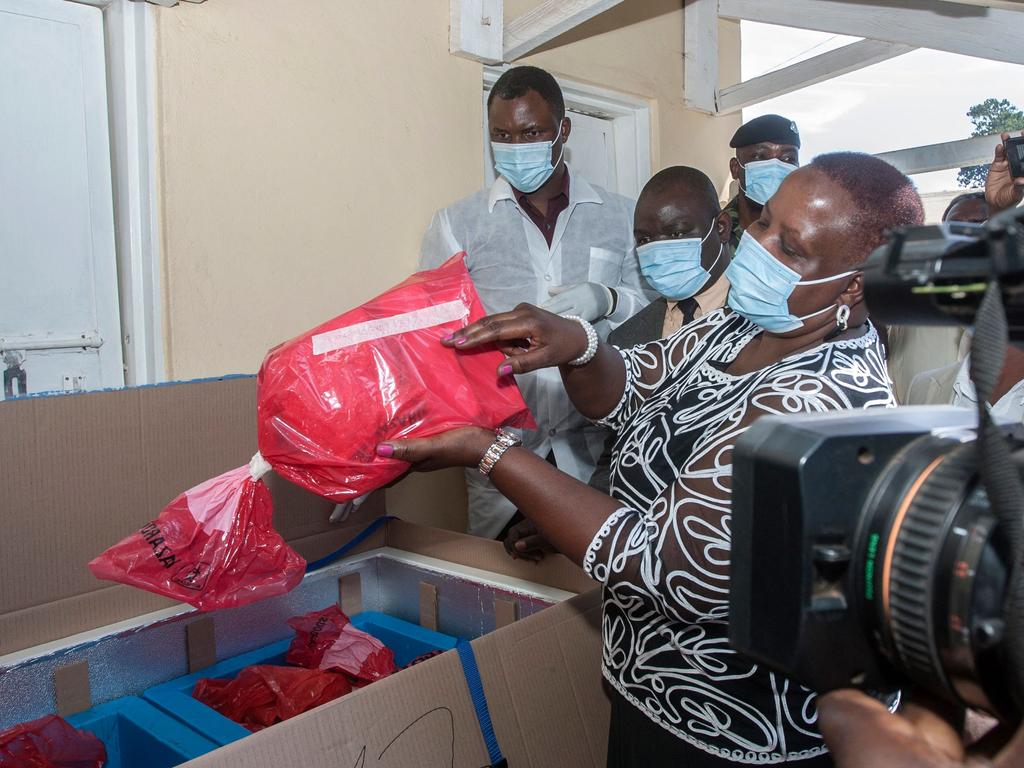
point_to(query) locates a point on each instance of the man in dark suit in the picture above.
(682, 239)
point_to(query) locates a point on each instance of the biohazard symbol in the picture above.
(193, 576)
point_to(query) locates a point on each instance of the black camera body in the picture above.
(937, 274)
(864, 553)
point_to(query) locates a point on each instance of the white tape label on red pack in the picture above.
(416, 320)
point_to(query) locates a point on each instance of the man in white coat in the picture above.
(541, 234)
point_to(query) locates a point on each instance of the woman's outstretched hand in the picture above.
(462, 447)
(530, 338)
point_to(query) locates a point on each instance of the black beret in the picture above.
(773, 128)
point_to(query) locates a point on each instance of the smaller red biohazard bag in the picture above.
(327, 640)
(212, 547)
(50, 742)
(262, 695)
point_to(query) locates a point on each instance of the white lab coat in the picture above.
(510, 262)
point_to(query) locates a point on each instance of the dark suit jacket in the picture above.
(646, 325)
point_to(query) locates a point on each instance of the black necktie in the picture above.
(689, 307)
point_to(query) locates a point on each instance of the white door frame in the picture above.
(131, 88)
(631, 117)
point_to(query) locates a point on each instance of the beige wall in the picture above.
(305, 143)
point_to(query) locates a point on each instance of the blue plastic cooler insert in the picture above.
(407, 641)
(138, 735)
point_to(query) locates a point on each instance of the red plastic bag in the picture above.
(50, 742)
(262, 695)
(325, 400)
(212, 547)
(327, 640)
(376, 373)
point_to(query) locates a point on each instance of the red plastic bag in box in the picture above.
(263, 694)
(213, 547)
(379, 372)
(327, 640)
(50, 742)
(325, 400)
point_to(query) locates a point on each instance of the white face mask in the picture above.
(673, 267)
(764, 177)
(760, 286)
(527, 166)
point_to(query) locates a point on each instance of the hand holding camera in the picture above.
(861, 732)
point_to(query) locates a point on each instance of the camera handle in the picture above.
(998, 473)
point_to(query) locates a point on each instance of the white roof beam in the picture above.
(942, 157)
(700, 55)
(988, 33)
(475, 29)
(823, 67)
(1010, 5)
(547, 21)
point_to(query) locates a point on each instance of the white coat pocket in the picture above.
(605, 266)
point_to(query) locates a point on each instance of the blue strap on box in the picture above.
(356, 540)
(476, 694)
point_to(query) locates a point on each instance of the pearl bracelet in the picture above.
(591, 350)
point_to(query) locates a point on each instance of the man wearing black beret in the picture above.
(767, 150)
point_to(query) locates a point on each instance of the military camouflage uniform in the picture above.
(733, 209)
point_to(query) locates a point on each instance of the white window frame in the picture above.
(128, 29)
(630, 115)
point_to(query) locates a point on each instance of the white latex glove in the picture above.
(591, 301)
(343, 512)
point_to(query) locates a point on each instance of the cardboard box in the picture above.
(81, 471)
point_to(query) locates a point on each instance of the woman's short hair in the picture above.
(884, 198)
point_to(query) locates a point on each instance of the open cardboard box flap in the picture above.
(83, 471)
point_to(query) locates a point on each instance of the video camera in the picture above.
(937, 275)
(865, 549)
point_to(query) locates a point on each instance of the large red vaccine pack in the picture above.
(379, 372)
(325, 400)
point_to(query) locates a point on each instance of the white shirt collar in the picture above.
(1010, 406)
(580, 191)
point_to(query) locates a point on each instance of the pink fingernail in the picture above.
(504, 369)
(459, 342)
(449, 337)
(385, 450)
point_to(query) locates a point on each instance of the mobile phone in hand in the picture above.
(1014, 147)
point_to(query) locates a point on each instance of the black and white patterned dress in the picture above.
(664, 557)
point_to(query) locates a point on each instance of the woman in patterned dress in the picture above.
(795, 338)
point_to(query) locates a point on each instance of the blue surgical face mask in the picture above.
(673, 268)
(761, 285)
(526, 166)
(763, 178)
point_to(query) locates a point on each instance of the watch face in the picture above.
(509, 438)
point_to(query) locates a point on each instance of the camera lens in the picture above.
(935, 569)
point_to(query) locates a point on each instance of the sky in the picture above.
(919, 98)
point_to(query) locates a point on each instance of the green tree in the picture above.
(991, 116)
